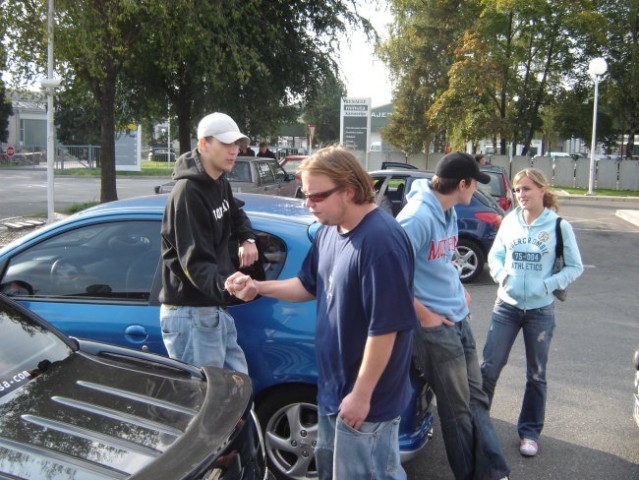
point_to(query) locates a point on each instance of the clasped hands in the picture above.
(241, 286)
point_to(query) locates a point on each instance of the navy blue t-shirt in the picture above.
(363, 283)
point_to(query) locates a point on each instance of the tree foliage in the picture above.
(5, 103)
(253, 59)
(323, 110)
(621, 49)
(76, 117)
(488, 68)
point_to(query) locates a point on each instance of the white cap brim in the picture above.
(230, 137)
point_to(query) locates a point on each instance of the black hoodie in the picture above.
(200, 218)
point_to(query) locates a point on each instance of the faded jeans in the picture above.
(343, 453)
(448, 358)
(202, 336)
(537, 325)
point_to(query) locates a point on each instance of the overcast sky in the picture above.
(364, 73)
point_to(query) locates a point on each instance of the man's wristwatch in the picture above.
(250, 240)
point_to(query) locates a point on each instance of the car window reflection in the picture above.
(28, 350)
(115, 260)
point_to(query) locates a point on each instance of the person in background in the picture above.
(245, 150)
(264, 151)
(363, 337)
(481, 159)
(521, 261)
(199, 219)
(444, 346)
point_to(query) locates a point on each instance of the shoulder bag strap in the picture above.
(559, 247)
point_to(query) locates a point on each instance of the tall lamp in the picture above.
(49, 84)
(597, 68)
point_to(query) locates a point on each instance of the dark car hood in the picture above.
(91, 417)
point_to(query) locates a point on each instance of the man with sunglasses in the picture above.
(199, 219)
(360, 270)
(444, 344)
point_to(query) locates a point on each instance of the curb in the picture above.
(563, 195)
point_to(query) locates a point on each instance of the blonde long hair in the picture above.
(539, 179)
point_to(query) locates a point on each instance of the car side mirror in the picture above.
(290, 177)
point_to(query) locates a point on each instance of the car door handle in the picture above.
(136, 334)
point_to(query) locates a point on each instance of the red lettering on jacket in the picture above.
(439, 248)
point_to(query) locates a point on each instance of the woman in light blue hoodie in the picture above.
(521, 261)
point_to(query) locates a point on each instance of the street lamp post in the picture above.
(50, 84)
(597, 68)
(513, 145)
(168, 134)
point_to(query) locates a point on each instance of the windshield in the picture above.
(241, 172)
(27, 349)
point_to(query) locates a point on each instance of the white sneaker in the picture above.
(528, 447)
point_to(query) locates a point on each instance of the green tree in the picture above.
(419, 54)
(469, 109)
(94, 41)
(621, 50)
(323, 110)
(76, 117)
(219, 56)
(195, 56)
(6, 110)
(513, 55)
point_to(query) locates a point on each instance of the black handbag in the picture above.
(560, 294)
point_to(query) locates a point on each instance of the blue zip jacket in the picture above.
(433, 235)
(522, 257)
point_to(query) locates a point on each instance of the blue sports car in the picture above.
(95, 275)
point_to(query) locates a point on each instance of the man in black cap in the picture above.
(443, 345)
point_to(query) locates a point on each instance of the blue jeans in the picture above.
(370, 452)
(202, 336)
(538, 326)
(448, 358)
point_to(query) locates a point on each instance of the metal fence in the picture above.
(561, 172)
(77, 156)
(66, 157)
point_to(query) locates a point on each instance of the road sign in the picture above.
(10, 151)
(311, 134)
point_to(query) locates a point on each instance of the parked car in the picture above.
(499, 186)
(255, 175)
(158, 154)
(398, 165)
(96, 275)
(285, 152)
(292, 162)
(477, 223)
(635, 362)
(72, 409)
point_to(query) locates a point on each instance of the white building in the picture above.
(28, 124)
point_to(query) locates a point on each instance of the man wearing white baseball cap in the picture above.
(199, 218)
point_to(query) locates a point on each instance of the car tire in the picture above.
(469, 260)
(288, 417)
